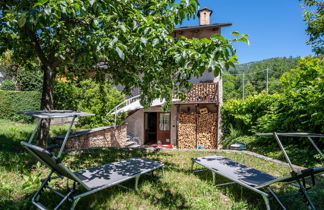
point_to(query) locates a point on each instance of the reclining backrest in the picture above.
(49, 160)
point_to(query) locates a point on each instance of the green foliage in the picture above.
(230, 137)
(88, 96)
(177, 189)
(30, 80)
(245, 115)
(298, 108)
(255, 77)
(130, 38)
(314, 18)
(31, 181)
(7, 85)
(13, 101)
(302, 105)
(66, 96)
(27, 77)
(99, 99)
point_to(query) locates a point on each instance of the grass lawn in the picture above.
(177, 189)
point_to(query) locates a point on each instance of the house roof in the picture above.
(209, 26)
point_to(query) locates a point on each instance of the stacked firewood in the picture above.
(187, 131)
(206, 130)
(203, 92)
(197, 129)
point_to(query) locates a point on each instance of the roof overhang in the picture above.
(136, 105)
(210, 26)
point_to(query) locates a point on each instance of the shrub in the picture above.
(13, 101)
(99, 99)
(30, 80)
(88, 96)
(7, 85)
(66, 96)
(245, 115)
(298, 108)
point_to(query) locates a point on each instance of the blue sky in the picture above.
(276, 27)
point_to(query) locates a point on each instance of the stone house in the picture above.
(189, 124)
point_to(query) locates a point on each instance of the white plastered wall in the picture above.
(135, 122)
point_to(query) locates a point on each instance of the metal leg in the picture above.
(75, 202)
(276, 198)
(224, 184)
(214, 177)
(162, 168)
(63, 200)
(136, 182)
(66, 137)
(266, 201)
(44, 183)
(309, 202)
(35, 130)
(192, 165)
(313, 143)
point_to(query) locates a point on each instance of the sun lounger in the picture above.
(259, 181)
(92, 179)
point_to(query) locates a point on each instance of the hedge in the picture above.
(13, 101)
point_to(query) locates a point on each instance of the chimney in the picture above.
(204, 16)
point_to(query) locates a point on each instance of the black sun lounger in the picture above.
(92, 179)
(259, 181)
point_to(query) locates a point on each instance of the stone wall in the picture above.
(98, 137)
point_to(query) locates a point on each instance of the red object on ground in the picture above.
(163, 146)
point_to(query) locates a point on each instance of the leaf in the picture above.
(243, 39)
(92, 2)
(123, 28)
(144, 40)
(155, 42)
(47, 10)
(120, 53)
(40, 3)
(235, 33)
(22, 21)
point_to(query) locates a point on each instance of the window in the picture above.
(164, 121)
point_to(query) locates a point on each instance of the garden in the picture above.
(179, 188)
(88, 56)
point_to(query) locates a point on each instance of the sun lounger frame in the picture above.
(296, 176)
(67, 173)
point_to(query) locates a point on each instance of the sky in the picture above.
(276, 27)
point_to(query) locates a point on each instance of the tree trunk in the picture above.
(46, 103)
(17, 86)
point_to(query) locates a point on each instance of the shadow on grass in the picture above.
(100, 156)
(300, 150)
(239, 193)
(12, 155)
(162, 197)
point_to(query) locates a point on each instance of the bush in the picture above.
(66, 96)
(88, 96)
(7, 85)
(30, 80)
(245, 115)
(13, 101)
(298, 108)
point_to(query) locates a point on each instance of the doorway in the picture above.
(157, 127)
(150, 120)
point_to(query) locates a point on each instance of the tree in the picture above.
(128, 40)
(314, 17)
(10, 68)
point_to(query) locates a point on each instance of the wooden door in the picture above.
(163, 127)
